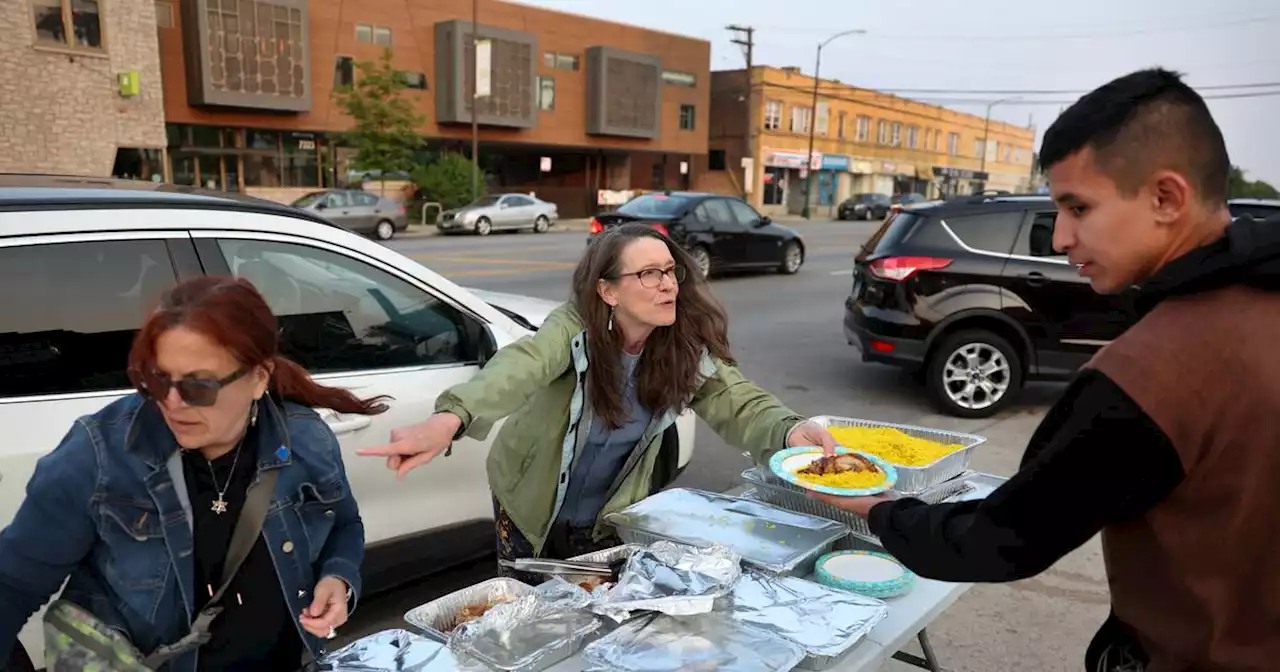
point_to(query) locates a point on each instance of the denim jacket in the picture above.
(107, 510)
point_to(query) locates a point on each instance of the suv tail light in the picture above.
(660, 228)
(898, 269)
(596, 226)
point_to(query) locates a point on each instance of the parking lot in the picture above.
(786, 333)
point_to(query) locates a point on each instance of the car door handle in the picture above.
(341, 427)
(1036, 278)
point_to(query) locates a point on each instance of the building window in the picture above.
(715, 159)
(773, 115)
(1017, 155)
(382, 36)
(546, 93)
(560, 61)
(800, 119)
(913, 137)
(897, 134)
(164, 14)
(1008, 153)
(687, 116)
(824, 118)
(937, 140)
(882, 132)
(344, 72)
(953, 143)
(679, 78)
(364, 33)
(415, 80)
(840, 119)
(863, 129)
(56, 20)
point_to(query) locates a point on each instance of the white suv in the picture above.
(83, 260)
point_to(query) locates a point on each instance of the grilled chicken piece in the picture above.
(838, 464)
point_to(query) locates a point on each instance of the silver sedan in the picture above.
(357, 210)
(500, 212)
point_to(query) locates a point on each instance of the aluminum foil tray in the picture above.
(390, 650)
(911, 480)
(827, 623)
(712, 642)
(437, 618)
(772, 539)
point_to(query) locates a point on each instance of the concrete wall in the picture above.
(60, 109)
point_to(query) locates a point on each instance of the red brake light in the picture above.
(660, 228)
(902, 268)
(400, 208)
(596, 226)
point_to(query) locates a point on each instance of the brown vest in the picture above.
(1198, 577)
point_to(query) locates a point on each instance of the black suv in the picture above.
(970, 295)
(1255, 207)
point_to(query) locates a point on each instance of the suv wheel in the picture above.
(974, 374)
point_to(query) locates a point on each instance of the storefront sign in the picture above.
(788, 159)
(959, 173)
(887, 168)
(544, 164)
(834, 162)
(862, 168)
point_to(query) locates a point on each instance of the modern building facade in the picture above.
(576, 105)
(80, 88)
(864, 142)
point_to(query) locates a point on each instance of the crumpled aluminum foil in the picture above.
(672, 579)
(701, 643)
(532, 632)
(825, 621)
(392, 650)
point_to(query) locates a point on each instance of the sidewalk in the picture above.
(582, 226)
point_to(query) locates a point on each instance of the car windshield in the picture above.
(653, 205)
(309, 199)
(484, 202)
(864, 198)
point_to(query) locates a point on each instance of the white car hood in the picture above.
(531, 308)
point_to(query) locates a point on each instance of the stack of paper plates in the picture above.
(865, 573)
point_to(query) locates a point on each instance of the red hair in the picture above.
(232, 313)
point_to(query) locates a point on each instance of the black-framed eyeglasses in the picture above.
(194, 391)
(652, 277)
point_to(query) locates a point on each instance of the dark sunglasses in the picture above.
(194, 391)
(652, 277)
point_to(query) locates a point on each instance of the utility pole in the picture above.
(475, 100)
(744, 36)
(813, 116)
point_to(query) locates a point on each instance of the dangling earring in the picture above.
(253, 413)
(610, 318)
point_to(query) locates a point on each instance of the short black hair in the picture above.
(1143, 122)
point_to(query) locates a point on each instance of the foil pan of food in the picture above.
(712, 642)
(393, 650)
(769, 538)
(438, 618)
(827, 623)
(672, 579)
(530, 633)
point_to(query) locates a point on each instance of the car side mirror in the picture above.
(486, 344)
(503, 206)
(321, 205)
(764, 220)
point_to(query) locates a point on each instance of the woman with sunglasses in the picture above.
(136, 507)
(594, 396)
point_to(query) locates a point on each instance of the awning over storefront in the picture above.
(862, 167)
(897, 169)
(835, 162)
(781, 158)
(959, 173)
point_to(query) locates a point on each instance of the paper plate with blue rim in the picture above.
(786, 463)
(865, 573)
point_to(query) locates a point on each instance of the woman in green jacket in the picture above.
(593, 399)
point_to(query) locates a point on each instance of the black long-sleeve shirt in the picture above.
(1096, 459)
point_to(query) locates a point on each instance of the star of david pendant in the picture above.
(219, 506)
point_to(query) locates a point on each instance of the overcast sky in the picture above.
(987, 45)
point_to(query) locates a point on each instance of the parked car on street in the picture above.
(720, 232)
(864, 206)
(357, 210)
(500, 212)
(1257, 207)
(901, 201)
(84, 260)
(970, 295)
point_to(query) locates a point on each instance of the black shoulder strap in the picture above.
(248, 528)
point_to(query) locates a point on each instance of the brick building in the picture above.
(865, 142)
(248, 93)
(80, 88)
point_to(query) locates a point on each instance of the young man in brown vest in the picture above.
(1168, 442)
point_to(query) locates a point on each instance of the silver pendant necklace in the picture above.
(220, 504)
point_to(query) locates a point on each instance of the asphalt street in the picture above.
(786, 333)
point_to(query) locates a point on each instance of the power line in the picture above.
(980, 101)
(1211, 87)
(865, 96)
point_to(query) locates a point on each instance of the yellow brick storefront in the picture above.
(865, 142)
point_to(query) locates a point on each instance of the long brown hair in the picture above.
(232, 313)
(667, 374)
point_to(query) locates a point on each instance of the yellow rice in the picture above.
(849, 480)
(892, 445)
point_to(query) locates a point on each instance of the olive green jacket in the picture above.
(540, 383)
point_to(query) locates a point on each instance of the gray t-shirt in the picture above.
(603, 455)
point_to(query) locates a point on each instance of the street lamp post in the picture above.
(986, 132)
(475, 100)
(813, 116)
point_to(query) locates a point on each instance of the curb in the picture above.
(563, 226)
